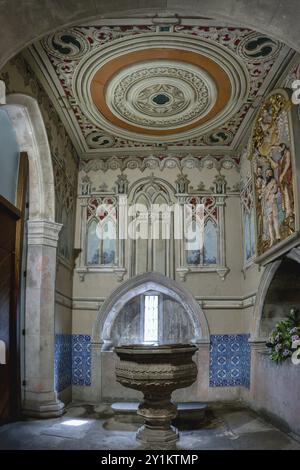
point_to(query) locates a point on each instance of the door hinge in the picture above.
(25, 273)
(23, 332)
(24, 383)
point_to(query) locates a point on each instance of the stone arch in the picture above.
(27, 120)
(138, 285)
(280, 23)
(40, 397)
(264, 285)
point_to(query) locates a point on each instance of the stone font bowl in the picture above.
(156, 371)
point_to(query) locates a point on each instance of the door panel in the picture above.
(7, 304)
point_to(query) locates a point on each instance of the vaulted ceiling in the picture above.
(154, 86)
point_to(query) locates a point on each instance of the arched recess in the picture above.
(35, 20)
(140, 284)
(263, 287)
(152, 196)
(268, 276)
(40, 397)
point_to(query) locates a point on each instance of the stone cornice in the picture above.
(162, 161)
(207, 303)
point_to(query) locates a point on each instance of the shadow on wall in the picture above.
(282, 295)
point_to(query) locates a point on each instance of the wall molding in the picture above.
(64, 300)
(207, 303)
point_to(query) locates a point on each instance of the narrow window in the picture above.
(151, 319)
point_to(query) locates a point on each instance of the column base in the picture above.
(52, 409)
(155, 436)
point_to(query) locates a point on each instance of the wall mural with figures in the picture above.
(273, 172)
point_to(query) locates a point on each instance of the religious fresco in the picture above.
(272, 166)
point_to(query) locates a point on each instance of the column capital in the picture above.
(43, 232)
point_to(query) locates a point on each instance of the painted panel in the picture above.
(92, 244)
(248, 220)
(210, 243)
(273, 172)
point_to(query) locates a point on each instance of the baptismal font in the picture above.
(156, 371)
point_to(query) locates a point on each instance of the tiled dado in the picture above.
(81, 360)
(230, 361)
(72, 360)
(63, 361)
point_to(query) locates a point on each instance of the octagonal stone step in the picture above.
(193, 412)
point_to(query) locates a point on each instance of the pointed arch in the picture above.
(102, 330)
(142, 186)
(263, 288)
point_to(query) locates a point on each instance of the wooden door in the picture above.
(11, 242)
(8, 224)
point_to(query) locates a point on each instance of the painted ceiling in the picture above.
(146, 89)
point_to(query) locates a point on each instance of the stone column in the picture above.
(40, 397)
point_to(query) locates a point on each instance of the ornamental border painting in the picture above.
(273, 169)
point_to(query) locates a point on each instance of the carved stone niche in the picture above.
(156, 371)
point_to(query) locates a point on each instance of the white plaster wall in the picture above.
(221, 300)
(98, 285)
(275, 390)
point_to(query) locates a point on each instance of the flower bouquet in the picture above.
(284, 341)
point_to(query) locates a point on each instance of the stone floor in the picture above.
(226, 426)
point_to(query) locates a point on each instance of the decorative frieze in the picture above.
(161, 162)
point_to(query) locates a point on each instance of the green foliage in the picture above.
(282, 337)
